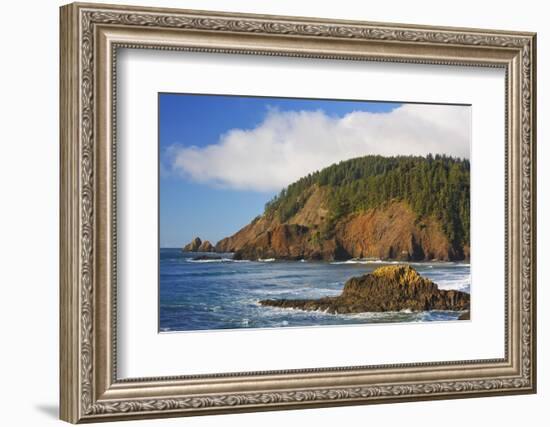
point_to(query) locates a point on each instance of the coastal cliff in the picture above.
(404, 208)
(389, 288)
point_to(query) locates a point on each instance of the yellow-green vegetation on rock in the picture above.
(400, 274)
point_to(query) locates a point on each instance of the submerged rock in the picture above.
(193, 245)
(389, 288)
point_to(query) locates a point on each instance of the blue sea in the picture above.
(224, 294)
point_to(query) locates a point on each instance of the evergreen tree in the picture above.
(434, 185)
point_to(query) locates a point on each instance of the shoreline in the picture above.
(194, 254)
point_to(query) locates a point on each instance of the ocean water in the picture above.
(224, 294)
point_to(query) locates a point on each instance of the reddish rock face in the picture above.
(290, 241)
(390, 288)
(392, 231)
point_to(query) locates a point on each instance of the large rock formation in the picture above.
(206, 246)
(289, 241)
(193, 245)
(403, 207)
(389, 288)
(392, 231)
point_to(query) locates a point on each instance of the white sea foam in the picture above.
(374, 317)
(351, 261)
(326, 313)
(458, 284)
(301, 292)
(369, 261)
(428, 264)
(202, 261)
(266, 260)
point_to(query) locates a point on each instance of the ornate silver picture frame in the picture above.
(91, 35)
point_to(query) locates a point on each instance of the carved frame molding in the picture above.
(90, 36)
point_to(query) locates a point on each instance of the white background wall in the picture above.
(29, 170)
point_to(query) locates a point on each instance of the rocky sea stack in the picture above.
(389, 288)
(197, 245)
(193, 245)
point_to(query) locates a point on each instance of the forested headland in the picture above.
(402, 207)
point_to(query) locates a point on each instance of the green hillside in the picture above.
(436, 186)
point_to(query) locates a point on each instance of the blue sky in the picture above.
(223, 157)
(189, 208)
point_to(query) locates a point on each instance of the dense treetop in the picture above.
(436, 186)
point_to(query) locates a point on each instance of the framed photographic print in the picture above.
(265, 212)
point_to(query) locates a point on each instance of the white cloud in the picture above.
(289, 145)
